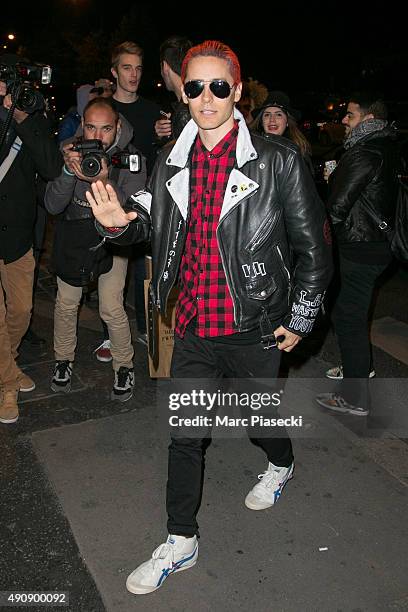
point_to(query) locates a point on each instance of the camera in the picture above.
(22, 80)
(93, 152)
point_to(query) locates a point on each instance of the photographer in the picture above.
(28, 150)
(78, 255)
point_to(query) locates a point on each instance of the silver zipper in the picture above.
(222, 257)
(226, 278)
(266, 231)
(283, 263)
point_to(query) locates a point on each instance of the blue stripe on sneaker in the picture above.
(278, 492)
(175, 567)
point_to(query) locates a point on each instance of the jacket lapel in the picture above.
(239, 187)
(179, 189)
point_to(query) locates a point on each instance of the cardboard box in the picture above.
(164, 330)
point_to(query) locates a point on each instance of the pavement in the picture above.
(83, 484)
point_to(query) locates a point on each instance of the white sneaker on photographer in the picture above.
(175, 555)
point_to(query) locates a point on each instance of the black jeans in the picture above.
(350, 316)
(195, 357)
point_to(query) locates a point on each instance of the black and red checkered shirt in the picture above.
(204, 292)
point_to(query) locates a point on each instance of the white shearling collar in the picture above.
(180, 152)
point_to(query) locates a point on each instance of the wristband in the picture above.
(68, 172)
(114, 230)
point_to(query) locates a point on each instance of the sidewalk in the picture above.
(83, 485)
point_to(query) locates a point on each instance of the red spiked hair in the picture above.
(213, 48)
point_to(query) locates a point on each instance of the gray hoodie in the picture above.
(68, 190)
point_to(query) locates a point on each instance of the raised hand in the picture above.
(106, 206)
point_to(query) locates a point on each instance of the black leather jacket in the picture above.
(272, 233)
(365, 180)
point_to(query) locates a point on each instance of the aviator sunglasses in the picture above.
(219, 87)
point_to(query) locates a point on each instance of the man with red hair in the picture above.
(224, 211)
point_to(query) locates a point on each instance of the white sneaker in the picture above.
(336, 373)
(175, 555)
(267, 492)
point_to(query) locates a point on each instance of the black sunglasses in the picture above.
(219, 87)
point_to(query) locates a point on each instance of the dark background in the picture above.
(311, 50)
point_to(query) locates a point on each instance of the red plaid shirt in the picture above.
(204, 292)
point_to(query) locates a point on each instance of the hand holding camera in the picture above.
(22, 80)
(18, 115)
(85, 169)
(18, 86)
(88, 160)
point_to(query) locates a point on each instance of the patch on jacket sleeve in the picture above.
(172, 250)
(304, 313)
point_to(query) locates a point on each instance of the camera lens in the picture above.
(29, 100)
(91, 165)
(26, 99)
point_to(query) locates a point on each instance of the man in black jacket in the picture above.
(226, 211)
(361, 189)
(172, 53)
(35, 152)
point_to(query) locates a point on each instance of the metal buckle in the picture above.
(383, 225)
(269, 342)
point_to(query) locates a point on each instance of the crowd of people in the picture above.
(227, 206)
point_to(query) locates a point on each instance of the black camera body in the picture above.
(22, 81)
(93, 153)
